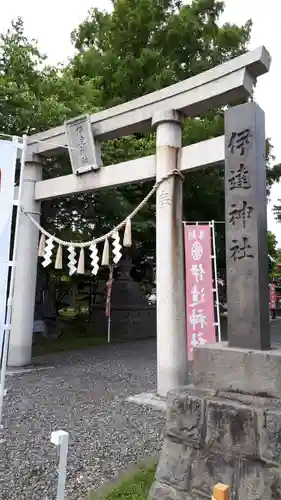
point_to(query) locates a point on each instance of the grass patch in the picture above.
(132, 486)
(76, 333)
(66, 343)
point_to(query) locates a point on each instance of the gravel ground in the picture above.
(84, 393)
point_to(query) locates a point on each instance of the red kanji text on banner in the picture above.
(200, 317)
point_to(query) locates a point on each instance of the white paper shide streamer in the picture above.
(58, 263)
(105, 254)
(127, 239)
(72, 261)
(81, 262)
(94, 259)
(42, 244)
(48, 252)
(116, 247)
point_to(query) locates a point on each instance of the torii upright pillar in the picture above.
(171, 335)
(26, 270)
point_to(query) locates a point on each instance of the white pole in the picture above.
(108, 328)
(212, 224)
(9, 308)
(171, 327)
(60, 438)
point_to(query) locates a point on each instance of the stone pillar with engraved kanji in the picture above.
(225, 427)
(246, 227)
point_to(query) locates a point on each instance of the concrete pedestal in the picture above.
(226, 428)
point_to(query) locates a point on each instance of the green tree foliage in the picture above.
(272, 253)
(144, 45)
(277, 207)
(272, 245)
(33, 95)
(141, 46)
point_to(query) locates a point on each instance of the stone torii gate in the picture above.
(162, 110)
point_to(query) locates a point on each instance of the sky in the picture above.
(51, 23)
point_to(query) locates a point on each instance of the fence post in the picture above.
(221, 492)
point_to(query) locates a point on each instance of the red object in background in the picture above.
(108, 294)
(200, 317)
(272, 296)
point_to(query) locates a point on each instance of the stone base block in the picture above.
(248, 480)
(149, 399)
(160, 491)
(29, 369)
(217, 436)
(220, 367)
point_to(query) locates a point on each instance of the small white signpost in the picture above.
(60, 439)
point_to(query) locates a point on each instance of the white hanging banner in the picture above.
(8, 157)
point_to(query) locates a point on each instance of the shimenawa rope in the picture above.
(86, 244)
